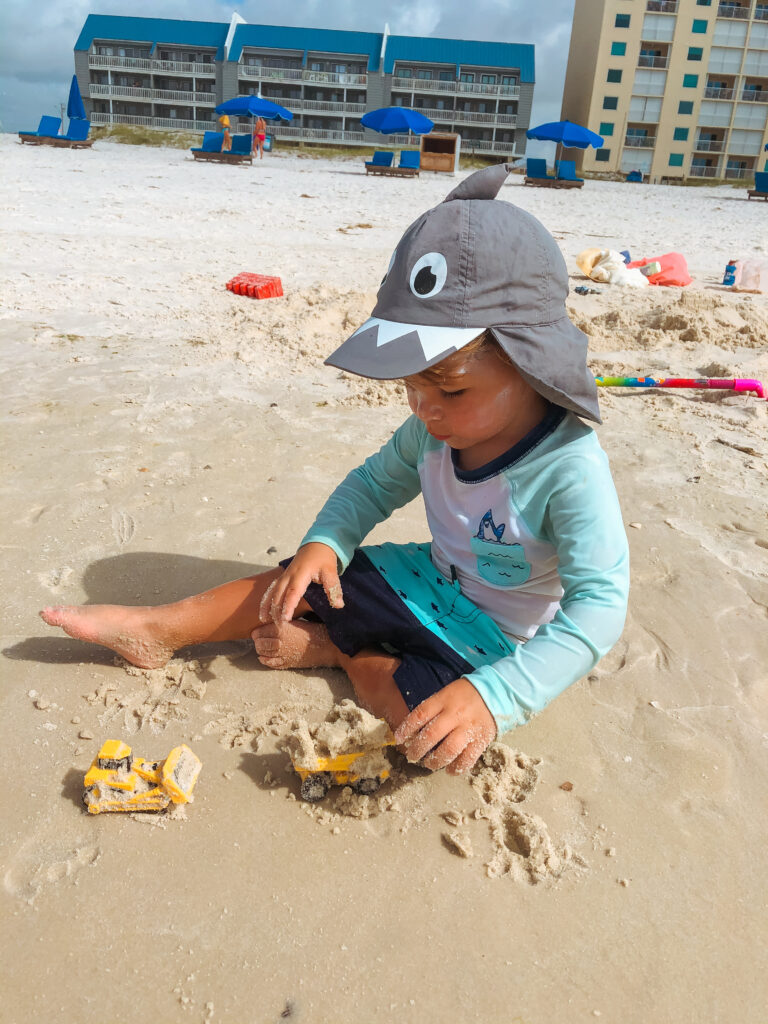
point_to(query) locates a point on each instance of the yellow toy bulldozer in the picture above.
(120, 781)
(360, 770)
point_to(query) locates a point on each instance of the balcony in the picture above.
(160, 95)
(469, 88)
(469, 117)
(713, 93)
(733, 11)
(755, 95)
(325, 107)
(640, 141)
(761, 12)
(700, 171)
(646, 60)
(709, 145)
(662, 6)
(168, 123)
(738, 173)
(298, 75)
(96, 60)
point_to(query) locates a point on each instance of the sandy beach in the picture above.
(161, 435)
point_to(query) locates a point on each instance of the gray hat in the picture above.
(470, 264)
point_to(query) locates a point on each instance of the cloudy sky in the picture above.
(37, 39)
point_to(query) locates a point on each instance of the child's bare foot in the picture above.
(297, 644)
(123, 629)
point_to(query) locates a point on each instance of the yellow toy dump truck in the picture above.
(318, 776)
(119, 781)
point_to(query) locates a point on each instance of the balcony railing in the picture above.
(325, 107)
(718, 94)
(647, 61)
(300, 75)
(761, 13)
(709, 145)
(699, 171)
(662, 6)
(161, 95)
(755, 95)
(738, 173)
(436, 85)
(732, 11)
(640, 141)
(173, 67)
(172, 123)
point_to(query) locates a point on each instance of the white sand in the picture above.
(162, 435)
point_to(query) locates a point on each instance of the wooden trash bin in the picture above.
(440, 152)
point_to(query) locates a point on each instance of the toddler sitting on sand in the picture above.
(523, 587)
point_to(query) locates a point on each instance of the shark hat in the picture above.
(475, 263)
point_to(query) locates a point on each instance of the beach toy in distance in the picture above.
(256, 286)
(320, 773)
(119, 781)
(712, 383)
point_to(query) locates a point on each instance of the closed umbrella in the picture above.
(397, 120)
(75, 106)
(565, 134)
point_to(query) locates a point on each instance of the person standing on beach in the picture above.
(523, 586)
(259, 136)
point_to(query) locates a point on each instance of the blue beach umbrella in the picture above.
(75, 107)
(397, 120)
(567, 134)
(254, 106)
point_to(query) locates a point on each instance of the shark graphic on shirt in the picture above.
(504, 565)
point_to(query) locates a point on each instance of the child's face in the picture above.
(482, 407)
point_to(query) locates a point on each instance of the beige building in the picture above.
(677, 88)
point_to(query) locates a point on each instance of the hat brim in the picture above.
(387, 350)
(552, 358)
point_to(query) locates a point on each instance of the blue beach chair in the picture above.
(409, 163)
(760, 191)
(566, 172)
(48, 127)
(77, 134)
(380, 163)
(536, 173)
(211, 147)
(242, 150)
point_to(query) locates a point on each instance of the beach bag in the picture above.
(674, 269)
(751, 276)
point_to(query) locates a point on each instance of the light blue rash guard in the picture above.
(534, 539)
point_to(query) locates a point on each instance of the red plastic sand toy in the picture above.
(256, 286)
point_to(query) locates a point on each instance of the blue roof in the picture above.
(461, 52)
(154, 31)
(322, 39)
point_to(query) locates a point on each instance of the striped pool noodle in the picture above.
(716, 383)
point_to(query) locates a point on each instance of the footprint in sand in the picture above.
(36, 866)
(123, 527)
(54, 578)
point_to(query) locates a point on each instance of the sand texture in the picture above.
(161, 435)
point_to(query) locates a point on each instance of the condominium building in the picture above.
(677, 88)
(170, 74)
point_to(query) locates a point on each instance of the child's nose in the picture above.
(425, 407)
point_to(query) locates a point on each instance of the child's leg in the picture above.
(147, 636)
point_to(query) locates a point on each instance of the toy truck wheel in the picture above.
(367, 786)
(314, 787)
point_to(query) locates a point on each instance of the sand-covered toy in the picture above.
(118, 780)
(347, 749)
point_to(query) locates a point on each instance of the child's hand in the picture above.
(312, 563)
(452, 728)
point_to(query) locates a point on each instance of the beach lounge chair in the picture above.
(634, 176)
(242, 150)
(211, 147)
(760, 191)
(76, 137)
(380, 162)
(48, 126)
(408, 165)
(566, 174)
(536, 173)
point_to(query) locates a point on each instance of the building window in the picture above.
(508, 80)
(699, 25)
(610, 102)
(614, 75)
(603, 155)
(446, 76)
(695, 53)
(488, 79)
(690, 81)
(685, 107)
(622, 21)
(680, 135)
(467, 76)
(704, 3)
(618, 49)
(606, 128)
(675, 159)
(421, 73)
(403, 73)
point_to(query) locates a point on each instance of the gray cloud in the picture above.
(36, 43)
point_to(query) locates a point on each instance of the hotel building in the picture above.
(677, 88)
(169, 74)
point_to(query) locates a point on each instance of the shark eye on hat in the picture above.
(389, 268)
(428, 275)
